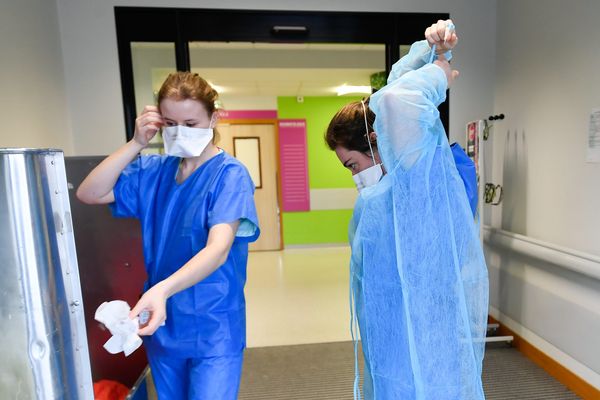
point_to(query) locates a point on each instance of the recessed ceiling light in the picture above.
(351, 89)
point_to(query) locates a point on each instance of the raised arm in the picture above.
(97, 187)
(406, 112)
(420, 52)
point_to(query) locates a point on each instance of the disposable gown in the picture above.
(418, 276)
(209, 318)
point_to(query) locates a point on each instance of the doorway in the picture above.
(178, 27)
(251, 51)
(254, 143)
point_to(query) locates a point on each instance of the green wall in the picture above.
(324, 170)
(316, 227)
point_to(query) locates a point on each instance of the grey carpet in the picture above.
(326, 371)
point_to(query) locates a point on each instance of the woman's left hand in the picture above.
(154, 301)
(436, 35)
(451, 74)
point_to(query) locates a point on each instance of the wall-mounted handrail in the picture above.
(580, 262)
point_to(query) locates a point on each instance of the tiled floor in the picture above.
(298, 296)
(301, 296)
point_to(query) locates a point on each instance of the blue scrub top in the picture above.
(209, 318)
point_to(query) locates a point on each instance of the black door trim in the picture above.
(183, 25)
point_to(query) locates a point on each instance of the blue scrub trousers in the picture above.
(214, 378)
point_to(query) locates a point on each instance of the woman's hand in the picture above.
(147, 124)
(154, 301)
(451, 74)
(438, 35)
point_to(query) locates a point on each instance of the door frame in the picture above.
(275, 123)
(183, 25)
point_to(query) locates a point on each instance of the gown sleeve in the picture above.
(407, 120)
(416, 118)
(233, 200)
(418, 55)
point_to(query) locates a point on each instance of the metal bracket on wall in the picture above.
(487, 126)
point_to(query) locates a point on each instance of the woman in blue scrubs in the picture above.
(197, 213)
(418, 276)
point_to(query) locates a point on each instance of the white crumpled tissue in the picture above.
(115, 316)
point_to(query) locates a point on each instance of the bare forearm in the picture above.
(220, 239)
(197, 269)
(98, 185)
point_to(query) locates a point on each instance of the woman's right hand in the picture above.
(147, 124)
(154, 301)
(439, 35)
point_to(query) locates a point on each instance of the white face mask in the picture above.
(181, 141)
(372, 175)
(368, 177)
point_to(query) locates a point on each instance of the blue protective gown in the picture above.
(418, 275)
(207, 320)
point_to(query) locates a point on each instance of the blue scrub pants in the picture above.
(214, 378)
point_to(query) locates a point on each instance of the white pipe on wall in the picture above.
(583, 263)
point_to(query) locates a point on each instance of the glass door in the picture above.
(261, 85)
(152, 63)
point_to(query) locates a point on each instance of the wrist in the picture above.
(135, 143)
(446, 54)
(441, 50)
(164, 288)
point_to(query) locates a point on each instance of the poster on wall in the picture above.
(474, 132)
(593, 147)
(293, 159)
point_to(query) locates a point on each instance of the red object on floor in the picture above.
(110, 390)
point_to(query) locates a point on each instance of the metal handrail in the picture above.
(580, 262)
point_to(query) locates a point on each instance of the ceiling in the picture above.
(270, 69)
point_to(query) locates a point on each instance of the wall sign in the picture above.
(294, 165)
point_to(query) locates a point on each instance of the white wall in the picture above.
(92, 70)
(547, 83)
(33, 103)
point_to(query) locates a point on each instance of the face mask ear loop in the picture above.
(367, 129)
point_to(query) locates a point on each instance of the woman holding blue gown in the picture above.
(197, 214)
(419, 284)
